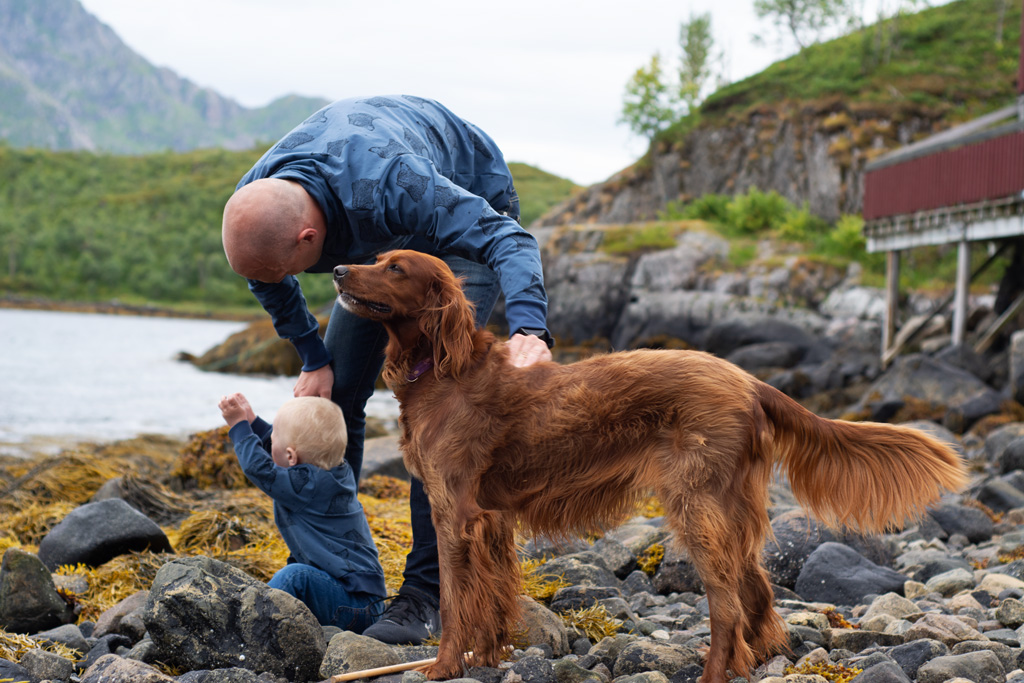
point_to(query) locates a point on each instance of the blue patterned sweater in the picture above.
(315, 510)
(401, 172)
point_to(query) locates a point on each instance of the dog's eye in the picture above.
(395, 268)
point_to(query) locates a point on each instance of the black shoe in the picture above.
(411, 618)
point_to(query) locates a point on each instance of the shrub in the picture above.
(800, 225)
(757, 211)
(847, 237)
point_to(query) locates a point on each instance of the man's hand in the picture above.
(235, 408)
(525, 350)
(317, 382)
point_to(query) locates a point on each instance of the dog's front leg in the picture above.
(479, 585)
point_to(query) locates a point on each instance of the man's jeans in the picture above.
(326, 598)
(357, 345)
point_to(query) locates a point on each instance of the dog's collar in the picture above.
(420, 368)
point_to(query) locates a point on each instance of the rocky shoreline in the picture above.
(145, 561)
(939, 600)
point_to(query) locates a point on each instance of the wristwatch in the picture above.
(541, 334)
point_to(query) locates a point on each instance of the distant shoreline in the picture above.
(115, 307)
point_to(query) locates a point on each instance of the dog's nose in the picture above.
(340, 272)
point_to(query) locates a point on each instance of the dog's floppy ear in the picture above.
(448, 321)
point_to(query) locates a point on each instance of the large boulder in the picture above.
(95, 533)
(932, 383)
(1016, 383)
(205, 614)
(839, 574)
(29, 601)
(797, 535)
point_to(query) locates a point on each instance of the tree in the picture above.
(696, 62)
(647, 107)
(805, 20)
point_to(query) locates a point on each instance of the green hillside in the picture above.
(77, 226)
(944, 60)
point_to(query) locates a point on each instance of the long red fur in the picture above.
(567, 449)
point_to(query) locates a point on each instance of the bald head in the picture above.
(272, 228)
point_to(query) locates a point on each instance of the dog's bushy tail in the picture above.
(866, 476)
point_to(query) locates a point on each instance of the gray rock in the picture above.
(797, 535)
(617, 557)
(68, 635)
(111, 619)
(1007, 655)
(349, 652)
(945, 628)
(637, 582)
(978, 667)
(114, 669)
(541, 626)
(646, 655)
(581, 597)
(145, 651)
(676, 574)
(232, 675)
(839, 574)
(999, 494)
(949, 583)
(725, 337)
(382, 455)
(863, 303)
(1010, 613)
(963, 519)
(926, 379)
(205, 614)
(1012, 457)
(570, 672)
(999, 438)
(107, 645)
(583, 288)
(542, 547)
(45, 665)
(883, 672)
(856, 640)
(912, 655)
(578, 572)
(638, 535)
(1016, 383)
(94, 533)
(779, 354)
(29, 601)
(15, 672)
(530, 670)
(484, 674)
(607, 649)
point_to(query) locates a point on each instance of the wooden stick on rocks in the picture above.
(385, 670)
(380, 671)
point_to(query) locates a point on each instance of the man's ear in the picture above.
(308, 235)
(291, 456)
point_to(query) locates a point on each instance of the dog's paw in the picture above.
(441, 670)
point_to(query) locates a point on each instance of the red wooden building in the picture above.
(960, 186)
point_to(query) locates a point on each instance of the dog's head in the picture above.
(418, 299)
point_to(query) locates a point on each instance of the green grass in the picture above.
(943, 59)
(84, 227)
(643, 237)
(538, 191)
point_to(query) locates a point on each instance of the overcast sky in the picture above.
(544, 77)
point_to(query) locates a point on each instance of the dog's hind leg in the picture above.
(701, 524)
(764, 630)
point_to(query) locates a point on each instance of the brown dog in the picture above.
(566, 449)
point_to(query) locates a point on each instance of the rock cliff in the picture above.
(807, 152)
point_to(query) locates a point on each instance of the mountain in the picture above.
(67, 81)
